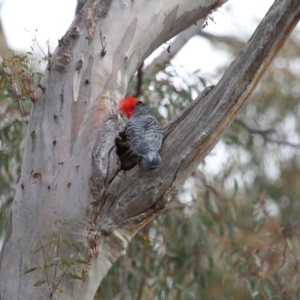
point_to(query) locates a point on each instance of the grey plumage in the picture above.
(144, 135)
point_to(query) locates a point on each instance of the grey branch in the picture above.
(265, 134)
(183, 38)
(190, 137)
(175, 47)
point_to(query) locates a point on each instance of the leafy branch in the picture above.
(265, 134)
(52, 264)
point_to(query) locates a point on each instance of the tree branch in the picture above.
(222, 39)
(180, 41)
(135, 197)
(175, 47)
(199, 127)
(139, 81)
(265, 134)
(79, 6)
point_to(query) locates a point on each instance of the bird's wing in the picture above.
(135, 134)
(152, 133)
(144, 134)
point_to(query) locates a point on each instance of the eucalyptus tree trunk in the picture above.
(71, 171)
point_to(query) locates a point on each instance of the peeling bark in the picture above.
(78, 178)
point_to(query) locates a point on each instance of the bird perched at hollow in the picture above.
(143, 132)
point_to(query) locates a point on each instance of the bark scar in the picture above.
(95, 12)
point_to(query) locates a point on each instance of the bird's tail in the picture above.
(151, 160)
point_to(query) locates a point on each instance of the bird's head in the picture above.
(127, 106)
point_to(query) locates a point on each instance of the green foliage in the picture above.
(203, 252)
(47, 257)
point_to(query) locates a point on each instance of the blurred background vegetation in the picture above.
(233, 231)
